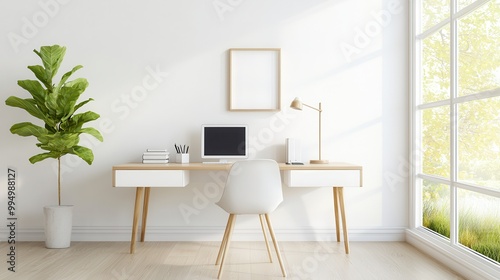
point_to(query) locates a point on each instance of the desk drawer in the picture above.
(322, 178)
(151, 178)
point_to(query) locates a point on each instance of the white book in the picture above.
(155, 156)
(157, 150)
(156, 153)
(155, 161)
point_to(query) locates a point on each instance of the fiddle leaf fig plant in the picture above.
(55, 104)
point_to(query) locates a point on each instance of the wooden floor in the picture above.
(246, 260)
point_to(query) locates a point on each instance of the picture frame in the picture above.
(254, 79)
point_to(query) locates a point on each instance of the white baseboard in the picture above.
(467, 265)
(215, 234)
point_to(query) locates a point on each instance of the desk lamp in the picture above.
(297, 105)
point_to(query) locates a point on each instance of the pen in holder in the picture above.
(182, 155)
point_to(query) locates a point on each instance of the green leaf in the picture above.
(28, 129)
(68, 96)
(77, 121)
(52, 57)
(80, 119)
(41, 75)
(36, 90)
(27, 104)
(79, 84)
(92, 131)
(82, 103)
(51, 129)
(40, 157)
(66, 101)
(84, 153)
(59, 142)
(67, 75)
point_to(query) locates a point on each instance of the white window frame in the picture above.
(450, 252)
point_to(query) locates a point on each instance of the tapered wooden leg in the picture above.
(261, 217)
(224, 239)
(145, 207)
(226, 245)
(271, 231)
(137, 211)
(336, 210)
(344, 222)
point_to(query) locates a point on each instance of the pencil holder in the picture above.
(182, 158)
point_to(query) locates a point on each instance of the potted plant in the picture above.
(55, 105)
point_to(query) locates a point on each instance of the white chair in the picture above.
(252, 187)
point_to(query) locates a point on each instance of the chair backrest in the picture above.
(252, 187)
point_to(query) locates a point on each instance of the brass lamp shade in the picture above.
(297, 105)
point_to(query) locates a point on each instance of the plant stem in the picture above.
(59, 180)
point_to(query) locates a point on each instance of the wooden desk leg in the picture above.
(137, 209)
(336, 210)
(145, 207)
(344, 222)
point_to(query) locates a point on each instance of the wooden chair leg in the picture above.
(226, 245)
(271, 231)
(261, 217)
(224, 239)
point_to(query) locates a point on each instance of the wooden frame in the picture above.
(254, 79)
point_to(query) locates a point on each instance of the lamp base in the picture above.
(318, 161)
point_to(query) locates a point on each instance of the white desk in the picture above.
(144, 176)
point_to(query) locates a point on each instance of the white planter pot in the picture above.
(58, 224)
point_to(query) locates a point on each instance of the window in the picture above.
(456, 124)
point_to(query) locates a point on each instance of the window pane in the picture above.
(479, 142)
(436, 207)
(464, 3)
(479, 57)
(479, 223)
(433, 12)
(436, 66)
(436, 141)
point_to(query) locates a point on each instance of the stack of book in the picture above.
(155, 156)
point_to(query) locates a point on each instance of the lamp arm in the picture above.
(319, 110)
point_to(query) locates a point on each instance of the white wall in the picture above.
(350, 55)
